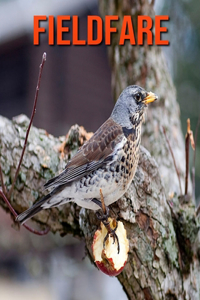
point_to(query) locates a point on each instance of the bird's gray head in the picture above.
(130, 106)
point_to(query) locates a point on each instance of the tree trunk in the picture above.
(163, 260)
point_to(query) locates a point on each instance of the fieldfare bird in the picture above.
(106, 162)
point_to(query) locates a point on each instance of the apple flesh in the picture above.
(107, 258)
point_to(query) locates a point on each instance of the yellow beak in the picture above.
(151, 97)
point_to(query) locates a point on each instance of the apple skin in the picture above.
(107, 258)
(108, 268)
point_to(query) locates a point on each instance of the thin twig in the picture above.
(102, 202)
(187, 144)
(3, 191)
(2, 181)
(3, 196)
(198, 210)
(188, 138)
(31, 121)
(172, 154)
(194, 158)
(43, 232)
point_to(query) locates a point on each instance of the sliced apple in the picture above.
(107, 258)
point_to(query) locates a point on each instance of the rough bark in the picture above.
(159, 265)
(163, 230)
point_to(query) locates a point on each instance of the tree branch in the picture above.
(154, 257)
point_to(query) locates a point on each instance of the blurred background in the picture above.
(75, 88)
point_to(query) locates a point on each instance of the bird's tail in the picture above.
(30, 212)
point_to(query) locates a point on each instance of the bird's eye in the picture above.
(138, 97)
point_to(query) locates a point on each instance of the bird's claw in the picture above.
(112, 233)
(103, 215)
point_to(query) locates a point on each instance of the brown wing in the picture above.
(93, 154)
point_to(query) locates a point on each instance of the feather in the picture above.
(93, 154)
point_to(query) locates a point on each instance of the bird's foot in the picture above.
(110, 231)
(103, 216)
